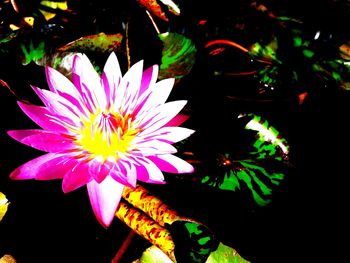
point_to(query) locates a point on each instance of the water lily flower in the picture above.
(104, 131)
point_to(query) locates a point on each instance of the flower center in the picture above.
(106, 135)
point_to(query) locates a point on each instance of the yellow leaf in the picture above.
(154, 255)
(3, 205)
(55, 5)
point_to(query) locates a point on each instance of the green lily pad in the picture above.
(259, 170)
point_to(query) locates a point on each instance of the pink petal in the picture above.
(59, 106)
(124, 173)
(129, 88)
(178, 120)
(105, 198)
(171, 164)
(61, 85)
(148, 172)
(88, 82)
(160, 116)
(19, 135)
(45, 167)
(159, 94)
(168, 134)
(43, 140)
(42, 117)
(99, 170)
(58, 83)
(152, 147)
(111, 77)
(76, 177)
(149, 78)
(84, 93)
(56, 167)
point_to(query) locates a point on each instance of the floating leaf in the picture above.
(263, 168)
(266, 52)
(7, 38)
(100, 43)
(156, 9)
(154, 255)
(150, 204)
(178, 56)
(180, 238)
(225, 254)
(146, 227)
(62, 61)
(302, 62)
(50, 8)
(269, 142)
(3, 205)
(193, 241)
(337, 71)
(172, 7)
(34, 54)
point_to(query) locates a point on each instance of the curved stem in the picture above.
(121, 251)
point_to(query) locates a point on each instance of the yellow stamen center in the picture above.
(106, 135)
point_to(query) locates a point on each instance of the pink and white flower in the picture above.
(105, 131)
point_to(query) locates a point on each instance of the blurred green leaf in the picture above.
(178, 56)
(33, 53)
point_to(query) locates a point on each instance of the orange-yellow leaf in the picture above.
(150, 204)
(146, 228)
(7, 259)
(3, 205)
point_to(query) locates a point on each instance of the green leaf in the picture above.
(269, 143)
(154, 255)
(100, 43)
(7, 38)
(225, 254)
(33, 53)
(178, 56)
(259, 170)
(193, 241)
